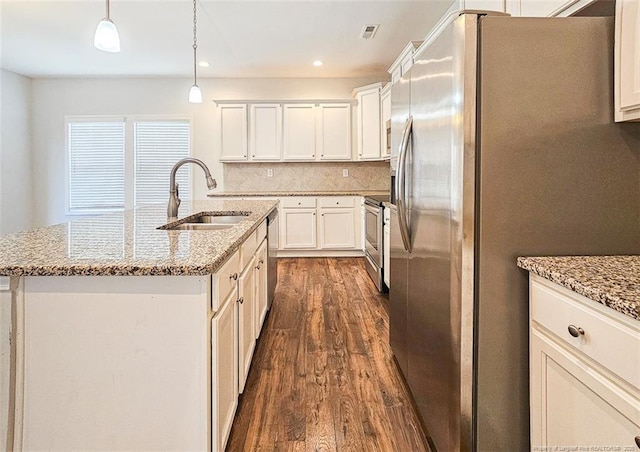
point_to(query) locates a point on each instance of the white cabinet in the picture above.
(336, 222)
(403, 62)
(224, 365)
(246, 322)
(261, 302)
(298, 228)
(368, 121)
(585, 372)
(334, 131)
(323, 224)
(299, 132)
(627, 60)
(232, 124)
(386, 247)
(265, 132)
(385, 105)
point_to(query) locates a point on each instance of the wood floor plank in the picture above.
(323, 376)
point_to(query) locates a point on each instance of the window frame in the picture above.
(129, 157)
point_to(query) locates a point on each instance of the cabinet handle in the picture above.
(575, 331)
(637, 438)
(241, 300)
(234, 276)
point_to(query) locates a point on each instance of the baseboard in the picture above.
(320, 253)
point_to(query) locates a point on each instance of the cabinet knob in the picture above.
(337, 203)
(261, 261)
(575, 331)
(637, 438)
(258, 267)
(299, 203)
(241, 300)
(234, 276)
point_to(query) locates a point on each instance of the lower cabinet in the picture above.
(260, 277)
(224, 365)
(584, 364)
(326, 223)
(246, 322)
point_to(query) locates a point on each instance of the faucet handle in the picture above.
(177, 195)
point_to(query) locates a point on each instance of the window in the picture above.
(118, 163)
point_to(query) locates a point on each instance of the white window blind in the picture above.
(158, 146)
(96, 166)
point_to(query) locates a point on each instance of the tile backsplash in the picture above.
(316, 176)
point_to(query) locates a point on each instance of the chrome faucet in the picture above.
(174, 200)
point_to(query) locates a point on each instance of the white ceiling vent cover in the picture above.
(369, 31)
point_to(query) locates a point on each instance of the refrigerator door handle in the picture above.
(401, 185)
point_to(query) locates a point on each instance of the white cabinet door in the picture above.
(224, 368)
(627, 56)
(337, 228)
(298, 228)
(261, 287)
(573, 405)
(385, 102)
(334, 131)
(265, 131)
(246, 323)
(233, 132)
(299, 132)
(368, 127)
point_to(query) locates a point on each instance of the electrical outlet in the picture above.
(269, 172)
(345, 173)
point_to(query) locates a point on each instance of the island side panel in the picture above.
(116, 362)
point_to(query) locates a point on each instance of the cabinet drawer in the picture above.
(247, 249)
(336, 201)
(261, 232)
(298, 201)
(223, 282)
(608, 337)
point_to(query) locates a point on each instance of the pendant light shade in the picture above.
(106, 37)
(195, 95)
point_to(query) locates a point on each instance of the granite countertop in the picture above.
(128, 243)
(300, 193)
(611, 280)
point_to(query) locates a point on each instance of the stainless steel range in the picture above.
(374, 221)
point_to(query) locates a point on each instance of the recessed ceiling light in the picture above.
(203, 64)
(318, 63)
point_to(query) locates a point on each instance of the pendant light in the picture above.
(106, 37)
(195, 95)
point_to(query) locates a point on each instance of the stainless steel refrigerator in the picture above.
(503, 145)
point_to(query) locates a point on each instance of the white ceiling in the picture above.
(239, 38)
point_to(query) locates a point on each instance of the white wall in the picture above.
(54, 98)
(15, 153)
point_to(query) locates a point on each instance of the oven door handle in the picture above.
(401, 185)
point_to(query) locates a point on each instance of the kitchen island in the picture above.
(132, 337)
(584, 352)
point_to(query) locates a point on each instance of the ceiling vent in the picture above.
(369, 31)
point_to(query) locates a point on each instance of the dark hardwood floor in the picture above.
(323, 377)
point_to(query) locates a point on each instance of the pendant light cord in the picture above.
(108, 17)
(195, 42)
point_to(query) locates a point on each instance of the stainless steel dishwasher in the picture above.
(272, 255)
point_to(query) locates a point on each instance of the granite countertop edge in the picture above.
(298, 193)
(609, 280)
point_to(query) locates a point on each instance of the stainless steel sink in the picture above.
(206, 222)
(219, 219)
(200, 227)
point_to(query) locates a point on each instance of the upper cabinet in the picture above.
(293, 131)
(627, 60)
(265, 131)
(368, 121)
(333, 131)
(299, 132)
(385, 124)
(403, 63)
(232, 122)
